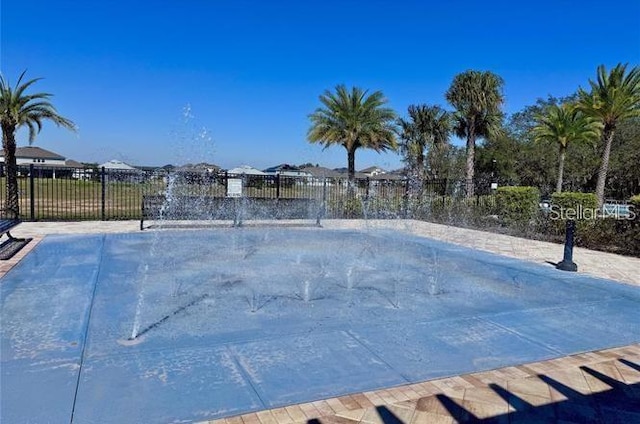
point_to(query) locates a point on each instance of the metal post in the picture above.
(567, 263)
(241, 203)
(322, 210)
(236, 209)
(103, 194)
(406, 198)
(32, 196)
(277, 186)
(366, 195)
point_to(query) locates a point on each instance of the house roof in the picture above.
(387, 176)
(320, 171)
(282, 167)
(33, 152)
(246, 169)
(372, 169)
(344, 173)
(74, 164)
(117, 164)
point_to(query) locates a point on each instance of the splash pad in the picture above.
(187, 325)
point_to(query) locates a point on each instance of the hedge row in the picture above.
(517, 206)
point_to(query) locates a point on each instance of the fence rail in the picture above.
(63, 194)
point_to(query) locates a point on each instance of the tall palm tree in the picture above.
(477, 97)
(353, 119)
(428, 127)
(19, 109)
(614, 97)
(565, 124)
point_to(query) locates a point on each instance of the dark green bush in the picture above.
(635, 203)
(593, 230)
(571, 205)
(580, 207)
(517, 206)
(610, 235)
(632, 236)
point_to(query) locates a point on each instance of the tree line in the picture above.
(591, 136)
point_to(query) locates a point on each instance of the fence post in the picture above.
(323, 207)
(104, 193)
(277, 186)
(32, 196)
(406, 198)
(366, 193)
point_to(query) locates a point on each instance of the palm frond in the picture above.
(20, 109)
(614, 96)
(566, 124)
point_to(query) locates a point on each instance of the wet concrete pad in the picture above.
(306, 367)
(163, 386)
(442, 348)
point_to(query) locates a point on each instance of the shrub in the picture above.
(635, 203)
(517, 206)
(632, 237)
(593, 230)
(580, 207)
(571, 205)
(611, 235)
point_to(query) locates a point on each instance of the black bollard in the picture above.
(567, 263)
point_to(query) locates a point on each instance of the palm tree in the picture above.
(428, 127)
(353, 119)
(563, 125)
(477, 98)
(614, 97)
(18, 109)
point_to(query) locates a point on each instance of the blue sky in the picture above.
(250, 72)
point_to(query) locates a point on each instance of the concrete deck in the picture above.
(602, 386)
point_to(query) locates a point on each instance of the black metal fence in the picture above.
(65, 194)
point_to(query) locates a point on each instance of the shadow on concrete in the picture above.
(619, 404)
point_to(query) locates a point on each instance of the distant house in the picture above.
(286, 170)
(74, 164)
(373, 171)
(389, 176)
(344, 173)
(37, 156)
(321, 172)
(80, 170)
(119, 165)
(245, 170)
(47, 164)
(319, 175)
(117, 170)
(377, 173)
